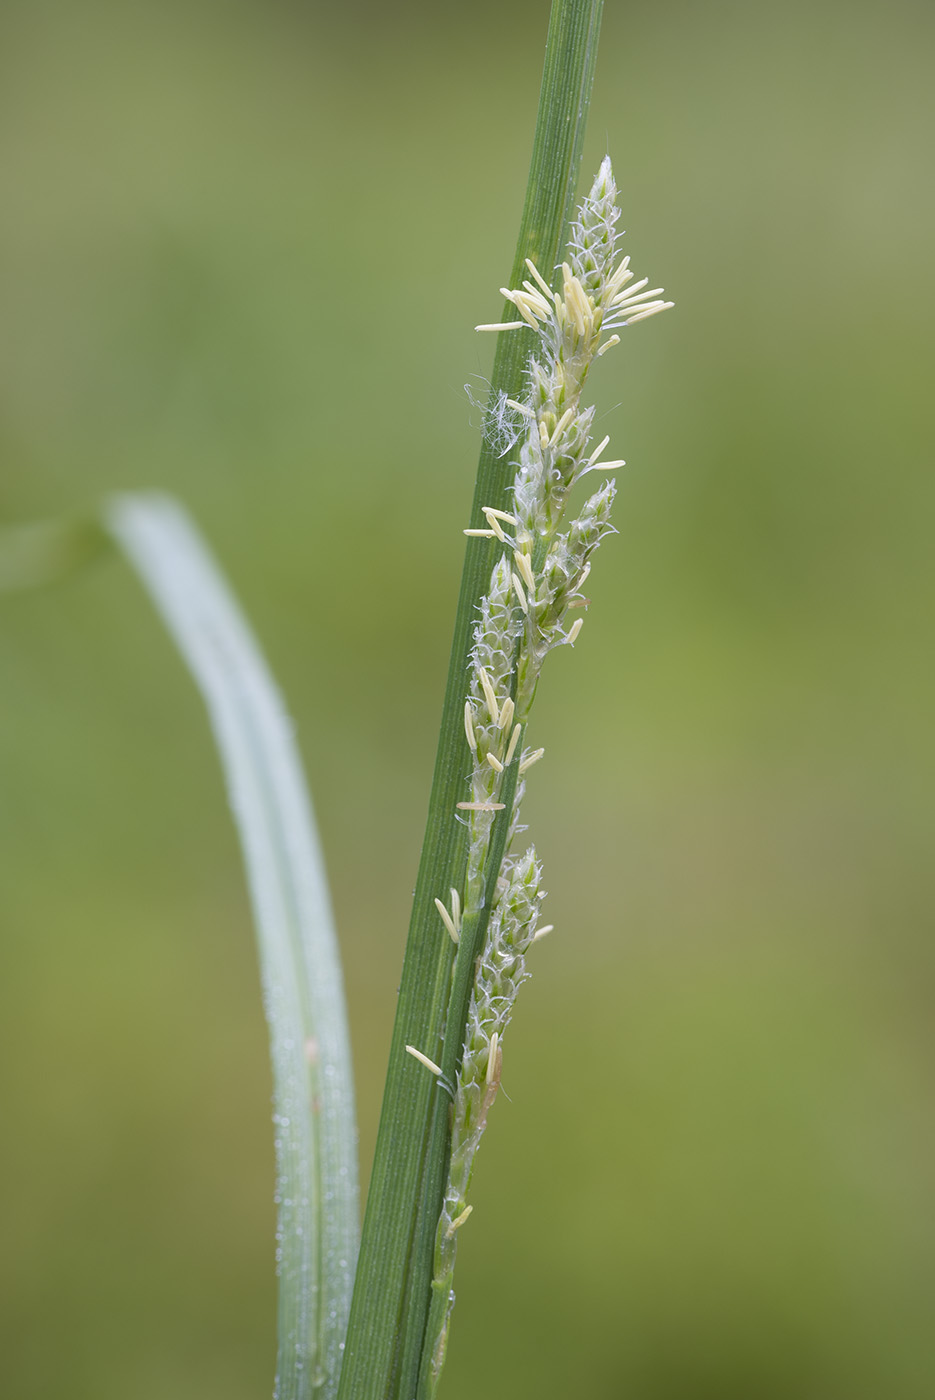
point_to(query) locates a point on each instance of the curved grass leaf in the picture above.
(316, 1188)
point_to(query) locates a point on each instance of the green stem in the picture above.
(392, 1288)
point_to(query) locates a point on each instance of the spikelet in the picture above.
(501, 971)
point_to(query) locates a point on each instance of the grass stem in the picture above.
(392, 1288)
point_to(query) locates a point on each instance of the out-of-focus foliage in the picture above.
(241, 252)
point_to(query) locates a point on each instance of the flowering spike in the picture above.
(543, 568)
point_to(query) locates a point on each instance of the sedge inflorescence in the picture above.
(537, 581)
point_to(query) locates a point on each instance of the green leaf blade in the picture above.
(302, 987)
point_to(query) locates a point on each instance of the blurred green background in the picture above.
(242, 250)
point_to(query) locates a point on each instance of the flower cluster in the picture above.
(538, 579)
(501, 970)
(540, 576)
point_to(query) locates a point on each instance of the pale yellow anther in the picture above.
(493, 520)
(501, 326)
(630, 296)
(534, 299)
(493, 1058)
(423, 1059)
(562, 423)
(447, 920)
(574, 630)
(524, 305)
(619, 279)
(621, 297)
(650, 311)
(506, 713)
(520, 595)
(574, 299)
(543, 435)
(469, 726)
(644, 296)
(517, 299)
(480, 806)
(494, 762)
(636, 308)
(511, 750)
(541, 932)
(526, 314)
(456, 908)
(458, 1222)
(482, 534)
(594, 464)
(587, 310)
(609, 343)
(489, 695)
(583, 575)
(524, 566)
(530, 759)
(598, 450)
(616, 280)
(541, 280)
